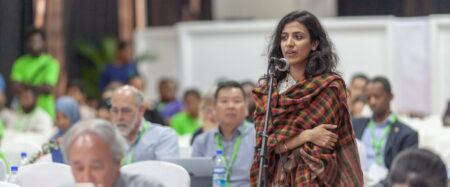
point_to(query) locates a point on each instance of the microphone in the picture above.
(280, 64)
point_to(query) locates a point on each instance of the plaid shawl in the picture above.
(311, 102)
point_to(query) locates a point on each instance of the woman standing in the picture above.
(309, 94)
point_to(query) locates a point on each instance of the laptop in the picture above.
(199, 168)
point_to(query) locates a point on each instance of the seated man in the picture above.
(356, 88)
(234, 136)
(383, 135)
(147, 141)
(186, 122)
(29, 117)
(168, 105)
(418, 167)
(94, 150)
(151, 114)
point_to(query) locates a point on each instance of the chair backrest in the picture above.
(3, 169)
(170, 175)
(45, 159)
(45, 174)
(5, 184)
(12, 150)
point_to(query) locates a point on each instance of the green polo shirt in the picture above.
(183, 123)
(37, 71)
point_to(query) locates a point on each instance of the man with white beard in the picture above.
(146, 140)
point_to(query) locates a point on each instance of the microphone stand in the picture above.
(262, 154)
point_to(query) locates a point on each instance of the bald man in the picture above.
(146, 140)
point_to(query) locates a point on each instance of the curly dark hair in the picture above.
(322, 60)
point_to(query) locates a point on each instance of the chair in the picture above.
(170, 175)
(3, 169)
(45, 159)
(5, 184)
(12, 150)
(45, 174)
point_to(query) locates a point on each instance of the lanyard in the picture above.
(235, 151)
(378, 144)
(130, 159)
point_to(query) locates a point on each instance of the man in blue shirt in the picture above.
(383, 135)
(147, 141)
(234, 136)
(122, 69)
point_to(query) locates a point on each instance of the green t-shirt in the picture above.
(183, 123)
(37, 71)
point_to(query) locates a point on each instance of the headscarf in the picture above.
(69, 107)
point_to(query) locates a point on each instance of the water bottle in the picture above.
(220, 170)
(13, 176)
(23, 159)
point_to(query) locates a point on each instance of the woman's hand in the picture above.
(322, 136)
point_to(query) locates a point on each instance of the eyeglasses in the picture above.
(124, 110)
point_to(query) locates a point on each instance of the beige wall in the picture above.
(270, 9)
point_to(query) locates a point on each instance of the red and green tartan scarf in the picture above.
(309, 103)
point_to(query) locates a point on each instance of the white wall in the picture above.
(269, 9)
(161, 42)
(440, 67)
(202, 52)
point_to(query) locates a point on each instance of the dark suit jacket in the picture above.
(400, 138)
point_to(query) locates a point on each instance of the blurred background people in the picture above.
(151, 114)
(207, 118)
(76, 91)
(383, 135)
(187, 122)
(103, 109)
(248, 88)
(67, 114)
(168, 104)
(446, 118)
(357, 107)
(418, 168)
(5, 113)
(2, 83)
(122, 69)
(30, 118)
(37, 69)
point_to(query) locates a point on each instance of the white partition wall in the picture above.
(363, 45)
(440, 66)
(162, 43)
(200, 53)
(218, 51)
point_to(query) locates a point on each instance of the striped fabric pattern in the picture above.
(309, 103)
